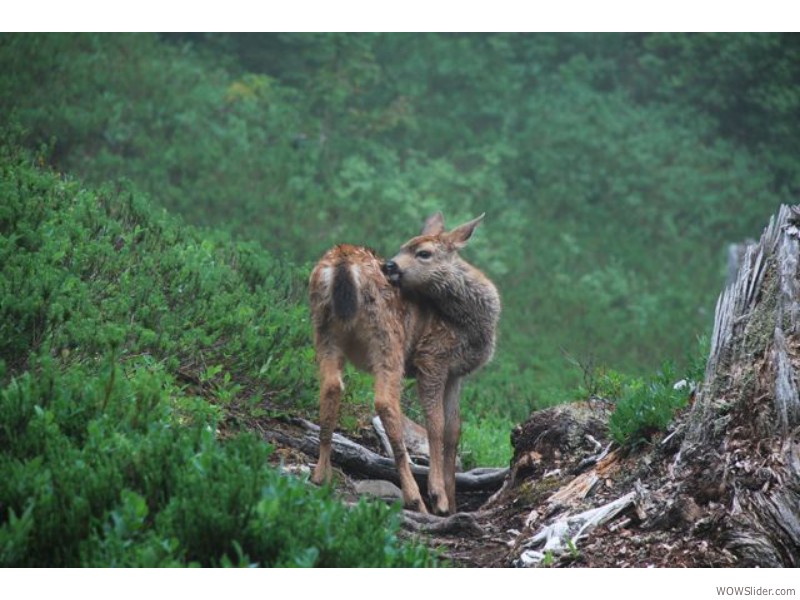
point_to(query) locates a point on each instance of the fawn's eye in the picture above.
(424, 254)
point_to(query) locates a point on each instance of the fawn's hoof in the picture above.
(321, 476)
(439, 505)
(417, 505)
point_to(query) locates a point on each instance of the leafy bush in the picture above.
(112, 317)
(109, 470)
(646, 406)
(85, 272)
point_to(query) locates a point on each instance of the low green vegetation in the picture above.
(116, 466)
(124, 340)
(90, 271)
(487, 442)
(646, 406)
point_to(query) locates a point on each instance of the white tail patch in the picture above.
(356, 271)
(326, 276)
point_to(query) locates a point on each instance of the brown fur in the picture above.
(433, 318)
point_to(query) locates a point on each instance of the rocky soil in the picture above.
(564, 468)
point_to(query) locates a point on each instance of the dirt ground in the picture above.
(554, 450)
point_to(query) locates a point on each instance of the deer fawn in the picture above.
(427, 314)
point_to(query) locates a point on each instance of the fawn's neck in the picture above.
(469, 301)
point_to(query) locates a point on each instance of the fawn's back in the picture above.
(356, 312)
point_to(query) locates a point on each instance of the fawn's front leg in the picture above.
(431, 392)
(452, 433)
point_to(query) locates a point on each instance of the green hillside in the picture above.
(614, 169)
(127, 341)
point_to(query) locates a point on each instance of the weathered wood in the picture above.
(456, 524)
(556, 538)
(358, 461)
(736, 254)
(580, 487)
(459, 524)
(414, 435)
(742, 443)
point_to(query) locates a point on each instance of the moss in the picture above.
(535, 492)
(760, 326)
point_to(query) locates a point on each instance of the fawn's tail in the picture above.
(345, 292)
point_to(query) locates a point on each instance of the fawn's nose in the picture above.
(390, 268)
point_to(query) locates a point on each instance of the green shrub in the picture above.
(84, 272)
(645, 406)
(106, 470)
(112, 318)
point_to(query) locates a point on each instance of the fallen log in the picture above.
(460, 524)
(362, 463)
(414, 436)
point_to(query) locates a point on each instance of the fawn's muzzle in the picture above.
(392, 271)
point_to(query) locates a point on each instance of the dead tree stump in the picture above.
(742, 445)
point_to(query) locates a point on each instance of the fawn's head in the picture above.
(430, 256)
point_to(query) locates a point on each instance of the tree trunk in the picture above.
(742, 444)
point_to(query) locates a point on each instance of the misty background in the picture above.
(614, 169)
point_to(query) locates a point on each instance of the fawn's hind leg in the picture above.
(330, 394)
(388, 387)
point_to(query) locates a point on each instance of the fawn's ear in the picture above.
(459, 236)
(434, 225)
